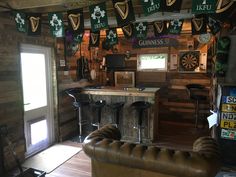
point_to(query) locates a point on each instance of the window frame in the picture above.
(153, 69)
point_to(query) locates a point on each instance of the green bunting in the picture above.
(171, 5)
(124, 12)
(141, 30)
(175, 26)
(151, 6)
(199, 25)
(20, 19)
(56, 24)
(98, 17)
(128, 30)
(34, 24)
(78, 38)
(203, 6)
(94, 39)
(76, 21)
(111, 36)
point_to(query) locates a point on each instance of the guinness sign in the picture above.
(128, 30)
(94, 39)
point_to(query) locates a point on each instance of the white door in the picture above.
(37, 95)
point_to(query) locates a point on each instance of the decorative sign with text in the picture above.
(203, 6)
(154, 42)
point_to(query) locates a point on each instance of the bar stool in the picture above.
(78, 104)
(116, 107)
(140, 107)
(98, 105)
(193, 90)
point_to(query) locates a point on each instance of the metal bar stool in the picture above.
(98, 105)
(78, 104)
(140, 107)
(116, 107)
(193, 90)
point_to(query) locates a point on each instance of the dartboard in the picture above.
(190, 60)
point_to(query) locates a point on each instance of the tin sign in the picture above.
(229, 99)
(228, 116)
(228, 108)
(228, 124)
(228, 134)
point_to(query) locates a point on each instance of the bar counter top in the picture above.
(115, 91)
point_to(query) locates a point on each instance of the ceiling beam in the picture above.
(29, 4)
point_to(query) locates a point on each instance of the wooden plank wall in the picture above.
(175, 104)
(11, 103)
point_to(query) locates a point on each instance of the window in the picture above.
(152, 62)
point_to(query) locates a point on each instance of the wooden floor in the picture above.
(177, 136)
(172, 135)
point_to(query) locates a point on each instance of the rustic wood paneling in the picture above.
(11, 102)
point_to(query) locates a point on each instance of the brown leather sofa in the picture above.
(111, 157)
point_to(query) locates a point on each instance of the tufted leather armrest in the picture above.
(104, 145)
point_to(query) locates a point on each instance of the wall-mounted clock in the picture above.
(204, 38)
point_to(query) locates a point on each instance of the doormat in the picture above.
(51, 158)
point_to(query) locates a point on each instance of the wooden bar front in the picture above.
(129, 117)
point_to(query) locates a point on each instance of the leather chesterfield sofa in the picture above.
(111, 157)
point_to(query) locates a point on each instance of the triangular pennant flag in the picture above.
(175, 26)
(151, 6)
(56, 24)
(214, 25)
(94, 39)
(199, 25)
(76, 21)
(111, 36)
(78, 38)
(20, 20)
(34, 24)
(124, 11)
(171, 5)
(98, 16)
(203, 6)
(141, 30)
(160, 28)
(224, 9)
(128, 30)
(71, 45)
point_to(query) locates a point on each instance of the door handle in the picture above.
(27, 103)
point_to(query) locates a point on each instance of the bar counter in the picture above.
(129, 117)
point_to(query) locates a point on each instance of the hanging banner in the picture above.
(76, 21)
(94, 39)
(214, 25)
(224, 9)
(98, 17)
(175, 26)
(111, 36)
(140, 30)
(124, 12)
(203, 6)
(78, 38)
(34, 24)
(128, 30)
(151, 6)
(199, 25)
(160, 28)
(56, 24)
(20, 20)
(171, 5)
(154, 42)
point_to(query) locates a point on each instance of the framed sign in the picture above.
(124, 78)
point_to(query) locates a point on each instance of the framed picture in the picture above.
(124, 78)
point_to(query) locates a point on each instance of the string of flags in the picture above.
(207, 13)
